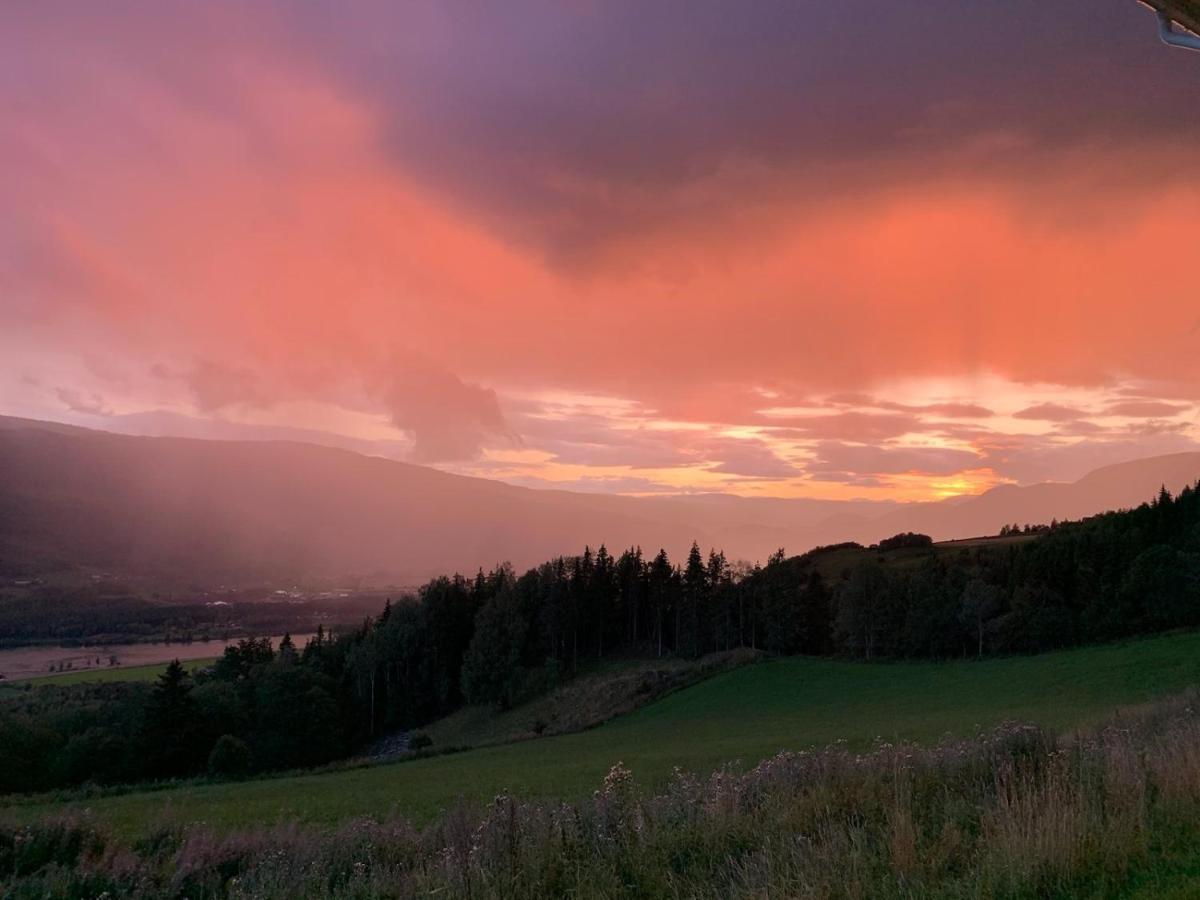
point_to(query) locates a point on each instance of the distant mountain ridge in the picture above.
(214, 511)
(1117, 486)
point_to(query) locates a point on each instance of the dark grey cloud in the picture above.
(573, 122)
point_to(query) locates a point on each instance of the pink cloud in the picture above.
(1145, 409)
(216, 386)
(90, 404)
(1050, 412)
(850, 426)
(833, 456)
(251, 226)
(749, 458)
(449, 419)
(949, 410)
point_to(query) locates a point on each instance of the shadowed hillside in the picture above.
(213, 511)
(224, 510)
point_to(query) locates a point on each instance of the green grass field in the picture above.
(743, 715)
(597, 694)
(114, 673)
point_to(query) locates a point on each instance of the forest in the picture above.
(499, 638)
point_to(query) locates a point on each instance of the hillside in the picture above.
(1112, 487)
(224, 510)
(208, 511)
(743, 716)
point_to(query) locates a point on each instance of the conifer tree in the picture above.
(660, 577)
(170, 723)
(693, 602)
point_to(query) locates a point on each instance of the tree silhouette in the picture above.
(170, 724)
(980, 602)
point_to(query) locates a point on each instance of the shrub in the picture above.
(61, 843)
(230, 758)
(907, 539)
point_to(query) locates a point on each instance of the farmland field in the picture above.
(51, 664)
(743, 715)
(147, 672)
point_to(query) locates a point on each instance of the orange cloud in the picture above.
(250, 228)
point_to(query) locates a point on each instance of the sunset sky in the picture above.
(854, 249)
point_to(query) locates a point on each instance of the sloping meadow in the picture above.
(1015, 811)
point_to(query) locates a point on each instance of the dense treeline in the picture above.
(500, 637)
(258, 710)
(1114, 575)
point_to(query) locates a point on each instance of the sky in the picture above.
(796, 249)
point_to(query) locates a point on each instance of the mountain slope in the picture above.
(213, 511)
(1113, 487)
(209, 511)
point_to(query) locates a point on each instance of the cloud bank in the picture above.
(854, 249)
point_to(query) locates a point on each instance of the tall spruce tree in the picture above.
(170, 726)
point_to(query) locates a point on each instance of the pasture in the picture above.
(738, 717)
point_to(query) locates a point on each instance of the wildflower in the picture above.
(618, 780)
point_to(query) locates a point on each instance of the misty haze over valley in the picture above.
(206, 512)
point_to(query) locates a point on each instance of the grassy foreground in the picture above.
(1012, 813)
(748, 714)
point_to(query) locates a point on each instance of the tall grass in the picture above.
(1014, 812)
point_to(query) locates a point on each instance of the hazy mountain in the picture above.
(212, 510)
(208, 511)
(161, 423)
(1112, 487)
